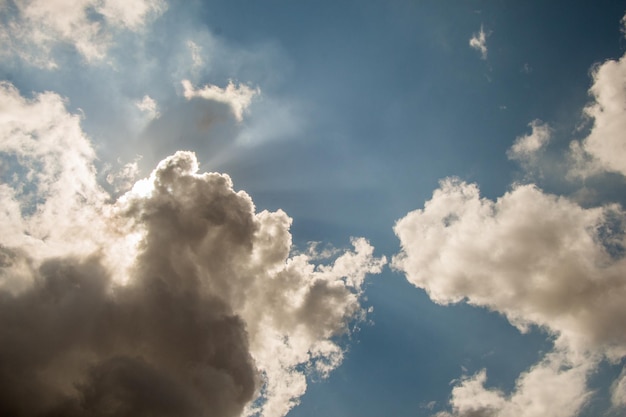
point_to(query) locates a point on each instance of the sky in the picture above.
(337, 208)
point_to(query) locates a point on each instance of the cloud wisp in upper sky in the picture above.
(478, 41)
(537, 258)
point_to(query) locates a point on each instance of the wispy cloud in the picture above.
(36, 27)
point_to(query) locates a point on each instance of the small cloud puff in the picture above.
(478, 41)
(526, 147)
(149, 106)
(237, 97)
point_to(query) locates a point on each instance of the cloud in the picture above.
(478, 41)
(618, 395)
(149, 106)
(606, 142)
(526, 147)
(554, 387)
(536, 258)
(237, 97)
(36, 27)
(178, 298)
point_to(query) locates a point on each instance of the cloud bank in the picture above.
(178, 298)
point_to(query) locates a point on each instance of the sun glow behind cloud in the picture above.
(179, 239)
(122, 261)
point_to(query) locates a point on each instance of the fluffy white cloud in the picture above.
(606, 142)
(50, 197)
(478, 41)
(237, 97)
(35, 27)
(538, 259)
(175, 299)
(526, 147)
(535, 257)
(554, 387)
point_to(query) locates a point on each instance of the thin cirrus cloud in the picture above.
(175, 299)
(537, 258)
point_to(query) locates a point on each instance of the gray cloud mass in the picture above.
(177, 299)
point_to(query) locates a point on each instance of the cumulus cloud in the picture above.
(237, 97)
(606, 142)
(177, 299)
(36, 27)
(554, 387)
(526, 147)
(536, 258)
(478, 41)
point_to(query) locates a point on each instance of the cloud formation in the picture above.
(36, 27)
(606, 142)
(526, 147)
(176, 299)
(237, 97)
(478, 41)
(537, 258)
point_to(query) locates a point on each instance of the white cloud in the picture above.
(478, 41)
(525, 148)
(536, 258)
(606, 143)
(618, 394)
(175, 299)
(237, 97)
(53, 178)
(124, 178)
(35, 27)
(554, 387)
(149, 106)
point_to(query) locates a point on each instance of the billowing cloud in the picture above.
(536, 258)
(35, 27)
(606, 143)
(176, 299)
(554, 387)
(478, 41)
(237, 97)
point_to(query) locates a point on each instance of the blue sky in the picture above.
(478, 147)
